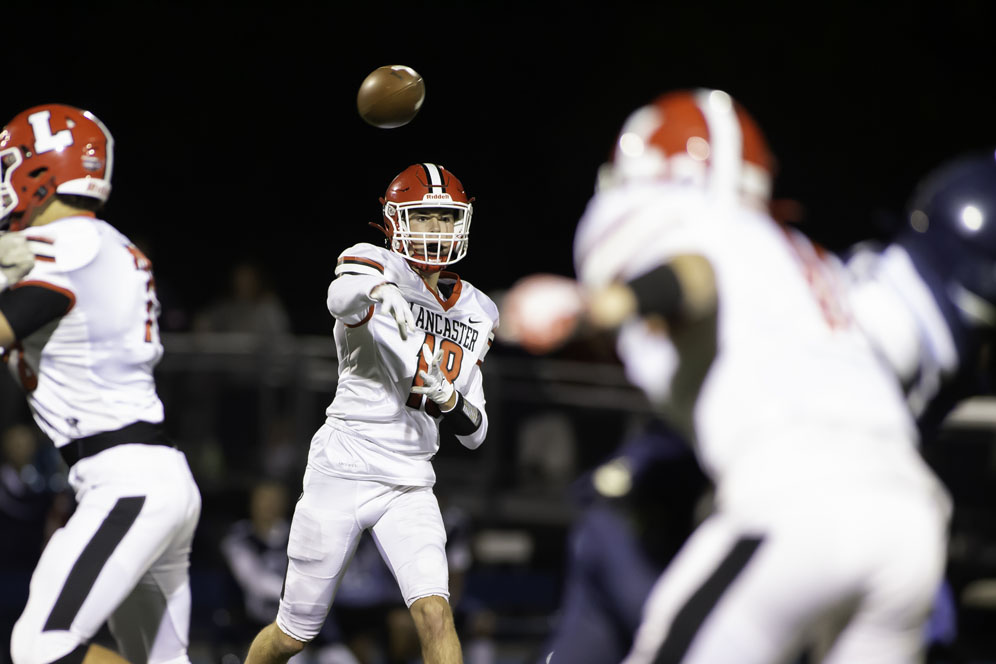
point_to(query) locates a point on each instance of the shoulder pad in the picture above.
(487, 305)
(363, 258)
(70, 244)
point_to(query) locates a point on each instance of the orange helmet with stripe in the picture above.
(422, 187)
(699, 137)
(48, 150)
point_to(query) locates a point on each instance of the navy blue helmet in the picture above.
(952, 238)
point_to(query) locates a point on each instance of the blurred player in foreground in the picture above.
(78, 324)
(410, 340)
(828, 526)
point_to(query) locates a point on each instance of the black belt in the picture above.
(142, 433)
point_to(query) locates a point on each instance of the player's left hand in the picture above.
(435, 385)
(16, 258)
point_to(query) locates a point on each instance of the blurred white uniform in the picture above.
(370, 463)
(826, 515)
(124, 554)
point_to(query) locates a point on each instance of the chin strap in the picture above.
(424, 267)
(381, 228)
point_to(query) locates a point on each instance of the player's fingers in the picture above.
(427, 354)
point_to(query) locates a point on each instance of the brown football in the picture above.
(390, 96)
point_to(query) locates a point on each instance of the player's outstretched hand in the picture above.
(435, 385)
(16, 258)
(541, 312)
(390, 296)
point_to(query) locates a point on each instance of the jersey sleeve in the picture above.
(358, 271)
(491, 310)
(362, 259)
(47, 291)
(474, 395)
(57, 254)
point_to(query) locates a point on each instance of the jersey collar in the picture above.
(449, 302)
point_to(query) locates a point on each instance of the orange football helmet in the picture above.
(699, 137)
(52, 149)
(420, 187)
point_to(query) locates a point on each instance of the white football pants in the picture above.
(122, 558)
(329, 518)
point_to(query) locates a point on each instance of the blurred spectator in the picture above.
(34, 502)
(13, 407)
(174, 314)
(546, 445)
(34, 498)
(475, 622)
(251, 305)
(232, 409)
(256, 552)
(637, 508)
(282, 455)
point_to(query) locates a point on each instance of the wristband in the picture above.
(464, 417)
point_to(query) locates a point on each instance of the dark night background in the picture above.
(237, 133)
(237, 137)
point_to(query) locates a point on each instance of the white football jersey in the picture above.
(90, 371)
(782, 360)
(396, 433)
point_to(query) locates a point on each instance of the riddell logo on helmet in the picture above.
(437, 197)
(97, 186)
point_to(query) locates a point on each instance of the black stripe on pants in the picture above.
(698, 607)
(93, 558)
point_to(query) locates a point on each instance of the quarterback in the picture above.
(78, 329)
(410, 339)
(828, 530)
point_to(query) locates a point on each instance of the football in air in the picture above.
(390, 96)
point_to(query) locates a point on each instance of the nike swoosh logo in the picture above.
(474, 322)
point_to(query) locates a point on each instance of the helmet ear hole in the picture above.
(57, 149)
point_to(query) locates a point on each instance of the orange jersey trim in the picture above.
(39, 238)
(449, 302)
(359, 260)
(370, 313)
